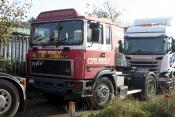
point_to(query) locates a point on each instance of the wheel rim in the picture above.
(5, 101)
(102, 94)
(151, 88)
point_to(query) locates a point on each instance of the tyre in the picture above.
(9, 99)
(150, 87)
(171, 87)
(103, 93)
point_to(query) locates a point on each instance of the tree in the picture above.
(31, 20)
(12, 13)
(108, 10)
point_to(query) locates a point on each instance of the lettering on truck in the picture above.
(92, 61)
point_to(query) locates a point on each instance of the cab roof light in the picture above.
(150, 24)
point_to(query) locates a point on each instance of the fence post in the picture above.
(168, 99)
(72, 112)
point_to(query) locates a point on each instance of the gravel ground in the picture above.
(41, 108)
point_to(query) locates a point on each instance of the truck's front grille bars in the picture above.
(150, 65)
(52, 67)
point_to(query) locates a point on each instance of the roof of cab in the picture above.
(66, 14)
(165, 21)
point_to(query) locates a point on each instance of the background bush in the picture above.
(6, 65)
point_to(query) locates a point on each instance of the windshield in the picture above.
(58, 33)
(144, 46)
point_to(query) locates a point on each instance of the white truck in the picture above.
(149, 46)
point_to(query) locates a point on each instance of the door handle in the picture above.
(103, 55)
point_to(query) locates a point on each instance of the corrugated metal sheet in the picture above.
(16, 51)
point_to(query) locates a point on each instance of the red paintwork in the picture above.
(66, 14)
(57, 15)
(94, 69)
(76, 55)
(81, 69)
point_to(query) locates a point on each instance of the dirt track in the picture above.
(41, 108)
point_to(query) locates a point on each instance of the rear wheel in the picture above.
(103, 92)
(9, 99)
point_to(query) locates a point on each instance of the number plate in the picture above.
(143, 70)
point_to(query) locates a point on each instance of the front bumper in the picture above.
(63, 87)
(22, 91)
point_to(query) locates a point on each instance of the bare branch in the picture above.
(108, 10)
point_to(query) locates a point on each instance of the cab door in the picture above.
(98, 49)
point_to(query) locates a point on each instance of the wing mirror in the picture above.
(173, 47)
(120, 46)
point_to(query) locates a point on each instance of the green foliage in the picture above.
(6, 65)
(120, 108)
(154, 107)
(86, 115)
(91, 115)
(108, 10)
(11, 15)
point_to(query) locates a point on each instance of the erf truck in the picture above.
(12, 94)
(73, 55)
(149, 46)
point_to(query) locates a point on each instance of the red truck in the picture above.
(73, 55)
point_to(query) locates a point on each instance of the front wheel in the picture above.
(9, 99)
(150, 87)
(103, 93)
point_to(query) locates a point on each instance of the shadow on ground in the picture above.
(41, 108)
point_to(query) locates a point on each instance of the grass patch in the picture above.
(153, 107)
(122, 108)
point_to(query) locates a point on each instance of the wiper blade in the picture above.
(141, 52)
(134, 52)
(59, 41)
(40, 40)
(63, 40)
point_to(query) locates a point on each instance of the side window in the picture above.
(90, 31)
(108, 35)
(168, 45)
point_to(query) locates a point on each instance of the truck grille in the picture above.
(51, 67)
(150, 65)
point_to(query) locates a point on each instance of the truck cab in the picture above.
(73, 55)
(149, 47)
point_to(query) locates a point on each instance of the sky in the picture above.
(130, 9)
